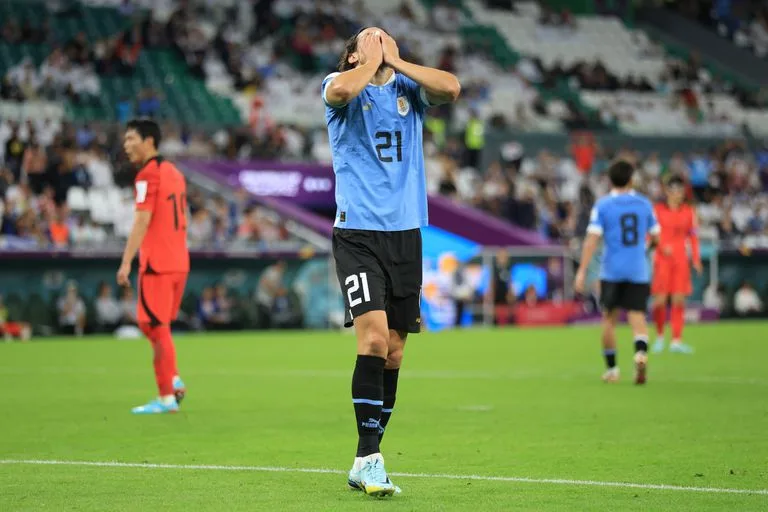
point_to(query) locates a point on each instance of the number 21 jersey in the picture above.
(162, 190)
(624, 221)
(378, 158)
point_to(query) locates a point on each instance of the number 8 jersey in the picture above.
(378, 158)
(162, 190)
(624, 221)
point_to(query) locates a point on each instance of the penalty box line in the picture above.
(436, 476)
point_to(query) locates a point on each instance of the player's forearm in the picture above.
(587, 252)
(441, 86)
(138, 232)
(695, 249)
(347, 85)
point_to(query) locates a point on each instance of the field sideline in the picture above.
(485, 419)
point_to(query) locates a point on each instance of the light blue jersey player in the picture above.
(374, 109)
(626, 222)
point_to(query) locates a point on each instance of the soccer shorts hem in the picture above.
(380, 271)
(624, 295)
(671, 278)
(160, 297)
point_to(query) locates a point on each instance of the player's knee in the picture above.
(146, 328)
(678, 300)
(374, 343)
(394, 359)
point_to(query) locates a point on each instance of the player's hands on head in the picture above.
(123, 275)
(391, 51)
(369, 48)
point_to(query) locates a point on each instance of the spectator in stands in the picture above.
(747, 302)
(200, 228)
(10, 329)
(530, 296)
(149, 104)
(34, 165)
(225, 307)
(86, 233)
(14, 152)
(58, 229)
(78, 50)
(128, 49)
(714, 297)
(270, 284)
(128, 307)
(108, 311)
(209, 313)
(11, 32)
(71, 311)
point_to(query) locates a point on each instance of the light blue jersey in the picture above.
(378, 158)
(624, 221)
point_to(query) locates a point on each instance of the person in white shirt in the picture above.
(108, 311)
(746, 302)
(71, 311)
(714, 297)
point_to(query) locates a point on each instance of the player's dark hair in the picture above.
(620, 173)
(350, 47)
(146, 128)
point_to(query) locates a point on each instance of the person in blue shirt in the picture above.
(374, 110)
(625, 220)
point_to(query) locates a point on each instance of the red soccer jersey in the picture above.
(162, 190)
(677, 227)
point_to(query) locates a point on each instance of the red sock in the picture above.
(678, 319)
(164, 356)
(660, 316)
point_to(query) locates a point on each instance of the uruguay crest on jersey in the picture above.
(403, 107)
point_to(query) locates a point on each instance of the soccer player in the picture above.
(671, 267)
(160, 230)
(375, 109)
(624, 219)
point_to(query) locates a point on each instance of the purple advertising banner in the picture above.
(306, 185)
(299, 187)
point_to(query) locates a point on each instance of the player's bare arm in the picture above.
(587, 251)
(693, 240)
(347, 85)
(440, 86)
(138, 232)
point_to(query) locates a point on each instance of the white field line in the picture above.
(410, 374)
(436, 476)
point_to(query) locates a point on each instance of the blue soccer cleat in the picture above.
(679, 347)
(179, 389)
(157, 406)
(658, 346)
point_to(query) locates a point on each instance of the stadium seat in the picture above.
(77, 199)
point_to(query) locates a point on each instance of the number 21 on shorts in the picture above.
(353, 284)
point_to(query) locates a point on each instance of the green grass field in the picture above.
(264, 409)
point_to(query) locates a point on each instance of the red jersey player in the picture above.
(671, 267)
(160, 231)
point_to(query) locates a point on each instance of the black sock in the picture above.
(367, 397)
(610, 357)
(390, 394)
(641, 344)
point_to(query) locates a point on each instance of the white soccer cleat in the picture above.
(641, 367)
(611, 375)
(355, 481)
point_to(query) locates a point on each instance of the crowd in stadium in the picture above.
(550, 193)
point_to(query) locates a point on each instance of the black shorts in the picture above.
(380, 271)
(624, 295)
